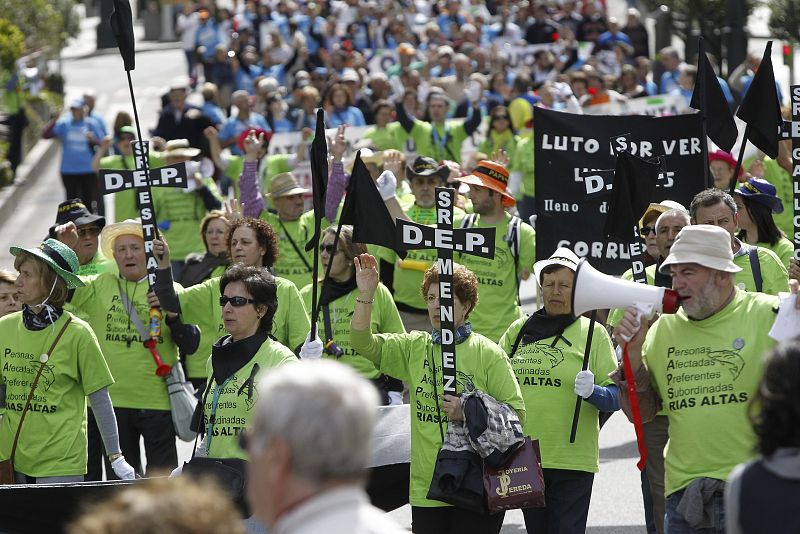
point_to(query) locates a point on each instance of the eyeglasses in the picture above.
(499, 117)
(90, 231)
(236, 302)
(647, 230)
(330, 249)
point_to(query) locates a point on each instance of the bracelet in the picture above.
(365, 301)
(113, 457)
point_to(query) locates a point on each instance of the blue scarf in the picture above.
(462, 333)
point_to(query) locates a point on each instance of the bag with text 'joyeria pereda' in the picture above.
(7, 466)
(519, 483)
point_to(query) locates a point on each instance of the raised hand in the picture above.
(253, 145)
(233, 209)
(366, 276)
(68, 234)
(338, 145)
(395, 161)
(500, 157)
(161, 252)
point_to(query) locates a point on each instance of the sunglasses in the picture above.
(498, 117)
(330, 249)
(92, 231)
(647, 230)
(236, 302)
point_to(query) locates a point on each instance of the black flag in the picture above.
(122, 26)
(709, 100)
(319, 175)
(634, 188)
(761, 109)
(365, 211)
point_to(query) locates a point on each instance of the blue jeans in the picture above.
(676, 524)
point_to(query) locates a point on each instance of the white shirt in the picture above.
(344, 510)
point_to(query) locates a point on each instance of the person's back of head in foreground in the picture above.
(163, 506)
(312, 433)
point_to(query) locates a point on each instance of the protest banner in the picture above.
(655, 106)
(791, 130)
(570, 206)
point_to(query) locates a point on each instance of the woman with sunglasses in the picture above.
(500, 135)
(252, 243)
(248, 302)
(337, 304)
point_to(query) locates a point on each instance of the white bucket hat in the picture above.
(562, 256)
(704, 244)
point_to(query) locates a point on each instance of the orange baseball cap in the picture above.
(492, 175)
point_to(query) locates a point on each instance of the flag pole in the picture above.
(735, 177)
(701, 50)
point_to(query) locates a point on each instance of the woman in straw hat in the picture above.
(546, 352)
(51, 363)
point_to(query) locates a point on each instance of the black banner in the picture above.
(791, 130)
(571, 210)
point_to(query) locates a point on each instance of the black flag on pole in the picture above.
(709, 100)
(319, 175)
(634, 188)
(761, 109)
(122, 26)
(365, 211)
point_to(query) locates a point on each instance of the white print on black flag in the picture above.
(569, 146)
(476, 241)
(791, 130)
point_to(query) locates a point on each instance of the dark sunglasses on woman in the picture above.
(236, 302)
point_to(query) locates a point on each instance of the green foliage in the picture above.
(784, 20)
(12, 44)
(708, 17)
(47, 23)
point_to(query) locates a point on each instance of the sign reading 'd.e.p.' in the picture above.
(574, 154)
(476, 241)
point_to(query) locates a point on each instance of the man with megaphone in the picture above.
(702, 365)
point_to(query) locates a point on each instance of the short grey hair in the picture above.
(324, 412)
(683, 213)
(710, 197)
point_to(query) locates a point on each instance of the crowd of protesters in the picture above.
(452, 104)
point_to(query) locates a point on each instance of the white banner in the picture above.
(656, 106)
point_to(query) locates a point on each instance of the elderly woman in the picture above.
(252, 243)
(756, 201)
(546, 351)
(338, 301)
(248, 301)
(51, 363)
(416, 359)
(200, 267)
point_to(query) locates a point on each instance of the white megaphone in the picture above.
(594, 290)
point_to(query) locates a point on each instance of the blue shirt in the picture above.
(245, 79)
(208, 37)
(669, 81)
(213, 112)
(77, 154)
(350, 116)
(747, 80)
(234, 127)
(101, 123)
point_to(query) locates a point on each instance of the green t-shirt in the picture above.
(497, 279)
(507, 141)
(546, 372)
(409, 272)
(125, 201)
(782, 180)
(774, 275)
(137, 385)
(200, 306)
(293, 263)
(236, 398)
(53, 437)
(385, 320)
(393, 136)
(442, 144)
(523, 163)
(784, 249)
(706, 373)
(615, 316)
(99, 264)
(179, 214)
(408, 357)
